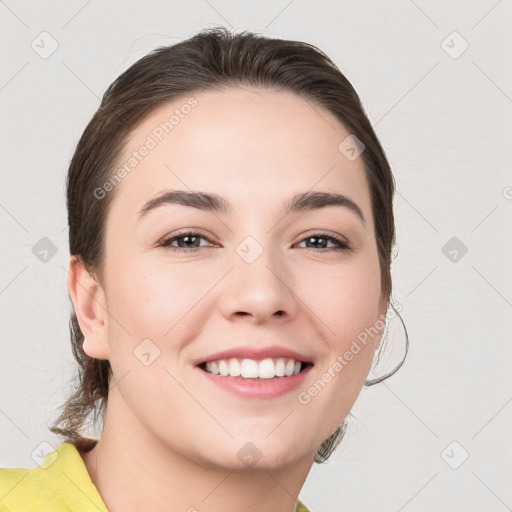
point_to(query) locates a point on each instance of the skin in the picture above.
(171, 437)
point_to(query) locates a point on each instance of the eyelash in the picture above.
(342, 244)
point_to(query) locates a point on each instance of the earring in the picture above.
(372, 382)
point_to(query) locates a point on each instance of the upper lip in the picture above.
(252, 352)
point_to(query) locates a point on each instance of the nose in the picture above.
(259, 291)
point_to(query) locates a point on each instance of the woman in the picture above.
(230, 226)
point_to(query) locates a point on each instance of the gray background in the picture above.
(443, 113)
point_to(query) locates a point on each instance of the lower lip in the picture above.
(258, 388)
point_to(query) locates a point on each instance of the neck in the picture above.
(134, 471)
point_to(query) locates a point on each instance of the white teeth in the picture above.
(249, 369)
(252, 369)
(267, 369)
(280, 366)
(234, 367)
(288, 369)
(223, 367)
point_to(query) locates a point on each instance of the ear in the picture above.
(90, 306)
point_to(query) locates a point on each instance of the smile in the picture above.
(254, 369)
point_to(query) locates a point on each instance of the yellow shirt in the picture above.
(60, 484)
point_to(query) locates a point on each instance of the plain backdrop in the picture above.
(435, 79)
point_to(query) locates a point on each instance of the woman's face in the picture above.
(254, 276)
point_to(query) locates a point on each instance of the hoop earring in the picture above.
(372, 382)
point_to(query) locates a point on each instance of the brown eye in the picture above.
(322, 239)
(188, 241)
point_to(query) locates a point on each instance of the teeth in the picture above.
(223, 367)
(249, 369)
(280, 367)
(234, 367)
(290, 366)
(252, 369)
(266, 369)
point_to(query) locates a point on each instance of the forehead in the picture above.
(245, 144)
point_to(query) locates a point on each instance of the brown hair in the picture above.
(212, 59)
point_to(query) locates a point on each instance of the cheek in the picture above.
(154, 310)
(162, 302)
(346, 298)
(352, 313)
(349, 311)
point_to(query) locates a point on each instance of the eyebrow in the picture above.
(305, 201)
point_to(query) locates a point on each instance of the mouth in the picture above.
(254, 369)
(256, 372)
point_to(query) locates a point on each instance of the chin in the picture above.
(262, 453)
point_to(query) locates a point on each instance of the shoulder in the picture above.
(301, 507)
(23, 490)
(59, 484)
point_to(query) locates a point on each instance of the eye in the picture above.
(187, 241)
(323, 238)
